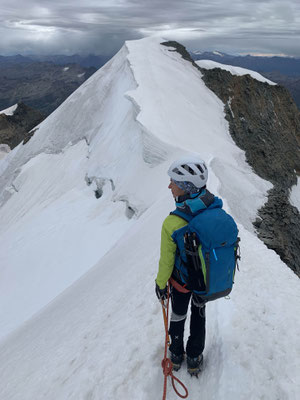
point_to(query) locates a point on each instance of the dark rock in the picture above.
(292, 83)
(16, 128)
(283, 220)
(257, 222)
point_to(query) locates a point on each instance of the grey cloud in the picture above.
(102, 27)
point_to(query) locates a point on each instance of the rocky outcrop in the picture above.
(264, 121)
(16, 128)
(292, 83)
(283, 70)
(278, 226)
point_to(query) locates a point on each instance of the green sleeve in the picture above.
(168, 249)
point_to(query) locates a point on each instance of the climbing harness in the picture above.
(166, 362)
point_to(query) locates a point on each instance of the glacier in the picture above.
(82, 205)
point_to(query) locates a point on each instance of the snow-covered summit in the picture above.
(209, 64)
(9, 110)
(217, 53)
(77, 270)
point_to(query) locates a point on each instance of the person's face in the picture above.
(176, 191)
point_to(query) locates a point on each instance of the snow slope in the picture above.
(9, 110)
(295, 195)
(80, 318)
(209, 64)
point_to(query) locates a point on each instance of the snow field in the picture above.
(295, 195)
(169, 84)
(53, 230)
(80, 317)
(9, 110)
(105, 334)
(52, 227)
(209, 64)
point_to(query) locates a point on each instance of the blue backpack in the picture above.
(207, 252)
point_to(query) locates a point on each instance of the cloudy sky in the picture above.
(102, 26)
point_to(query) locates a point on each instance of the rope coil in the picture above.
(166, 363)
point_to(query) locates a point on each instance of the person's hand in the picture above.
(161, 294)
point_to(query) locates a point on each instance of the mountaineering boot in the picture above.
(176, 361)
(194, 365)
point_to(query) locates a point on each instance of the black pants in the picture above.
(196, 340)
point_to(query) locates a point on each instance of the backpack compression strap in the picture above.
(173, 282)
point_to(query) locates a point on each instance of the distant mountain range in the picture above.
(85, 61)
(283, 70)
(285, 65)
(40, 85)
(44, 82)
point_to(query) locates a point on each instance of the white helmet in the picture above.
(189, 169)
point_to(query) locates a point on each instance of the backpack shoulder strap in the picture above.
(182, 215)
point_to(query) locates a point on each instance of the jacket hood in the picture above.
(199, 202)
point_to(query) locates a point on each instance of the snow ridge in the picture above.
(80, 238)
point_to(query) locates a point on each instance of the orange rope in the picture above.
(166, 363)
